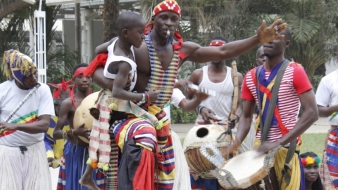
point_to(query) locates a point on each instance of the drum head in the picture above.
(82, 114)
(244, 170)
(200, 134)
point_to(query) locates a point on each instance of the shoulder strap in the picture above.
(266, 128)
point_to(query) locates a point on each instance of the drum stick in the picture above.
(201, 89)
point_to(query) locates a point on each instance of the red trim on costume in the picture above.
(99, 61)
(182, 55)
(144, 175)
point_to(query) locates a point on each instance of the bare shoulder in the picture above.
(67, 103)
(197, 72)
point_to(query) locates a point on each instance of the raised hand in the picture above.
(272, 32)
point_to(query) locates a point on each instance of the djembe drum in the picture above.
(82, 114)
(249, 170)
(196, 137)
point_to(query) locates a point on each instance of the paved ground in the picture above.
(320, 126)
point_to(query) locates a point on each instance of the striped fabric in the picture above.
(160, 79)
(111, 174)
(325, 174)
(72, 167)
(144, 135)
(99, 137)
(288, 102)
(141, 130)
(332, 156)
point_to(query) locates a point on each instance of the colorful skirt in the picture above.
(136, 138)
(331, 151)
(72, 167)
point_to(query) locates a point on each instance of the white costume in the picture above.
(23, 158)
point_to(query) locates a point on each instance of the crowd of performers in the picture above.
(130, 144)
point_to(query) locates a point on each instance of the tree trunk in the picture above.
(9, 6)
(78, 31)
(110, 14)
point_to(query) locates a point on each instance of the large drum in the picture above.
(248, 170)
(82, 114)
(196, 137)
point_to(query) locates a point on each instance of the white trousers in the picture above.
(24, 171)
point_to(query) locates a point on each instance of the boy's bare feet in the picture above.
(88, 182)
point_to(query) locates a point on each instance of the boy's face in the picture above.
(82, 82)
(136, 35)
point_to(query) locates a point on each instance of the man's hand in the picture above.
(272, 32)
(4, 126)
(207, 114)
(267, 146)
(232, 148)
(81, 131)
(153, 95)
(182, 83)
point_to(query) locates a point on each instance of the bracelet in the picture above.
(143, 98)
(200, 109)
(148, 99)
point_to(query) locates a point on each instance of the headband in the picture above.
(166, 5)
(216, 43)
(17, 65)
(310, 160)
(79, 71)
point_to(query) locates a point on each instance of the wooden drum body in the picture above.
(82, 114)
(196, 137)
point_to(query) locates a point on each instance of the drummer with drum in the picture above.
(75, 154)
(219, 78)
(279, 109)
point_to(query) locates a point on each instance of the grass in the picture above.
(313, 142)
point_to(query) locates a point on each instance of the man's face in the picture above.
(276, 47)
(31, 80)
(220, 61)
(136, 35)
(164, 21)
(260, 57)
(82, 82)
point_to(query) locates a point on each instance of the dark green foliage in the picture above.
(179, 116)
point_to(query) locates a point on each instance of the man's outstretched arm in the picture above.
(233, 49)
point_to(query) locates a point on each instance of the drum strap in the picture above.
(233, 118)
(266, 128)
